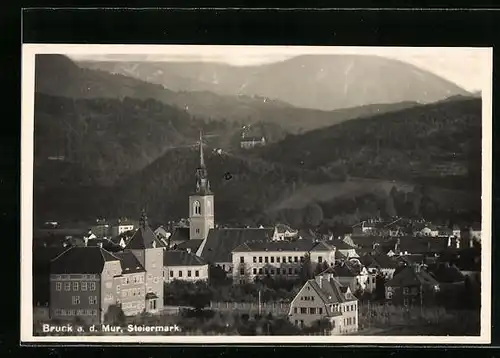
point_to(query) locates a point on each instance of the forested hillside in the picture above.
(440, 143)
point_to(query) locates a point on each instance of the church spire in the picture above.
(143, 222)
(202, 159)
(202, 183)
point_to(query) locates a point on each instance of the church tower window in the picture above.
(197, 208)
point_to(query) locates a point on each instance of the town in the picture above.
(381, 276)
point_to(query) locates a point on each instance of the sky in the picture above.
(467, 67)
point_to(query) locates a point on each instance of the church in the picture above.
(215, 245)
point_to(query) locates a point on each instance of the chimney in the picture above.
(319, 281)
(188, 250)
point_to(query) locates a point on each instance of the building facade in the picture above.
(324, 298)
(184, 266)
(277, 259)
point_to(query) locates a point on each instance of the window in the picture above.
(75, 286)
(303, 310)
(320, 310)
(272, 259)
(255, 259)
(302, 323)
(83, 286)
(406, 302)
(171, 273)
(118, 289)
(92, 286)
(197, 273)
(389, 295)
(58, 286)
(312, 310)
(290, 271)
(290, 259)
(189, 273)
(284, 271)
(354, 320)
(197, 231)
(312, 298)
(277, 259)
(255, 271)
(152, 304)
(320, 259)
(296, 259)
(197, 207)
(284, 259)
(242, 271)
(295, 310)
(266, 259)
(67, 286)
(180, 273)
(75, 300)
(260, 271)
(260, 259)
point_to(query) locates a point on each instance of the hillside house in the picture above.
(380, 263)
(121, 226)
(325, 298)
(252, 142)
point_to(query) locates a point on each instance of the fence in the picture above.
(275, 308)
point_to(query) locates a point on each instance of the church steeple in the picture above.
(202, 183)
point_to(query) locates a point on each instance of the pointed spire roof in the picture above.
(202, 159)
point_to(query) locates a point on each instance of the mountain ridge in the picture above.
(357, 80)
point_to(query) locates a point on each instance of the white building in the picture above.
(184, 266)
(324, 298)
(278, 259)
(122, 226)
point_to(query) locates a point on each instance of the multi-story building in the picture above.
(411, 286)
(355, 276)
(324, 298)
(278, 259)
(86, 281)
(185, 266)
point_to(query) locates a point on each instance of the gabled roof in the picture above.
(81, 260)
(144, 238)
(287, 246)
(409, 276)
(339, 244)
(219, 244)
(182, 258)
(282, 228)
(192, 245)
(180, 234)
(129, 262)
(331, 291)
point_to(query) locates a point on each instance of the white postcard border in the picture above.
(27, 145)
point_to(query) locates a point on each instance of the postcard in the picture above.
(256, 194)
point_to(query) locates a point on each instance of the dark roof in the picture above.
(180, 234)
(447, 274)
(365, 241)
(339, 245)
(331, 291)
(385, 262)
(182, 258)
(129, 262)
(151, 296)
(144, 238)
(81, 260)
(296, 245)
(192, 245)
(221, 242)
(43, 256)
(345, 269)
(409, 276)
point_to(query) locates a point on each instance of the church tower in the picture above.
(201, 203)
